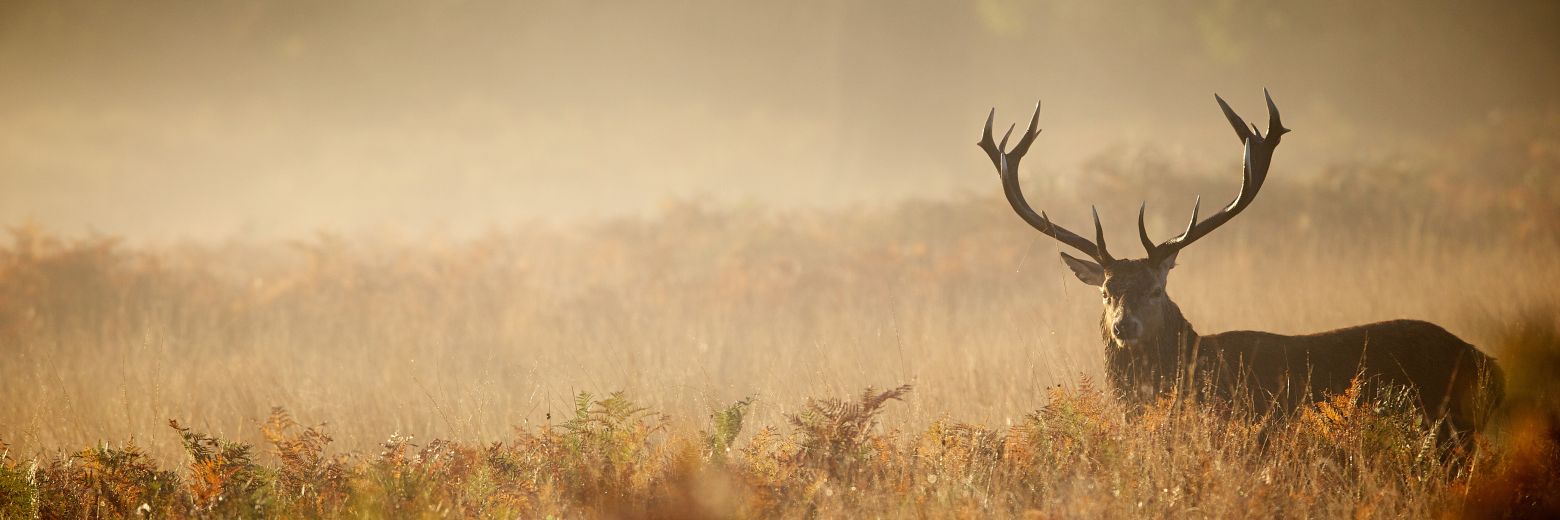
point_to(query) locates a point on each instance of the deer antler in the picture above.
(1007, 169)
(1258, 156)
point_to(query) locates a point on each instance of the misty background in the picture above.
(215, 118)
(451, 218)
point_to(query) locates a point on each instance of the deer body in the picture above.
(1274, 372)
(1152, 350)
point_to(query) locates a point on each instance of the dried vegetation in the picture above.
(732, 331)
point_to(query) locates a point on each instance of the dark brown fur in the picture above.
(1451, 378)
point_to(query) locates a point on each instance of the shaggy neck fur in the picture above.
(1148, 369)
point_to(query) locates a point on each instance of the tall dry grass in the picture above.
(493, 338)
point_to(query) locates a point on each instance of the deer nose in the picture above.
(1125, 329)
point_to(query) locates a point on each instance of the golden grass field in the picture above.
(716, 360)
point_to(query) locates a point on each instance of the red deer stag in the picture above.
(1151, 348)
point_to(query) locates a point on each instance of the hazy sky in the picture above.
(209, 117)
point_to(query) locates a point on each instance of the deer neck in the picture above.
(1148, 368)
(1177, 332)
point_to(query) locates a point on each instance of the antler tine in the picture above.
(1235, 120)
(1006, 161)
(1148, 243)
(1099, 239)
(1029, 135)
(1275, 127)
(1196, 204)
(990, 146)
(1257, 156)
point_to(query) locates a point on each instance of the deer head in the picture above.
(1136, 306)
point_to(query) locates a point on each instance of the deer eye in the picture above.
(1157, 292)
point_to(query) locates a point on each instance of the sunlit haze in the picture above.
(169, 119)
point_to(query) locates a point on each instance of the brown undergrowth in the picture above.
(1081, 455)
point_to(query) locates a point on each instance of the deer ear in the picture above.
(1090, 272)
(1168, 262)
